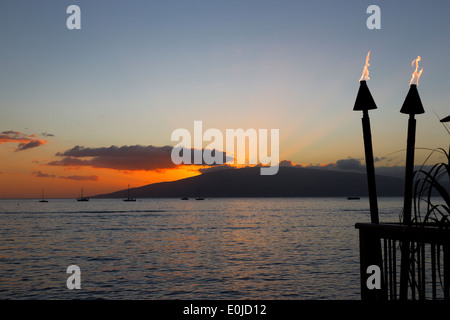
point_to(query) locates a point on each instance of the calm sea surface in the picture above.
(295, 248)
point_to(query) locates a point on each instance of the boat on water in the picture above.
(82, 198)
(353, 198)
(199, 197)
(43, 199)
(185, 198)
(129, 198)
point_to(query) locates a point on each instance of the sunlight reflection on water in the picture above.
(249, 248)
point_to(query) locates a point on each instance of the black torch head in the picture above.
(412, 104)
(364, 100)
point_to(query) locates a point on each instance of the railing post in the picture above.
(404, 269)
(446, 249)
(370, 254)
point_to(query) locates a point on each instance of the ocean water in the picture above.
(271, 248)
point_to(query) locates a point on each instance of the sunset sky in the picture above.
(96, 107)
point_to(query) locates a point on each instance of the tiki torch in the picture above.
(411, 106)
(370, 243)
(364, 102)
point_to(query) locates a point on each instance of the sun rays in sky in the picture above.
(95, 107)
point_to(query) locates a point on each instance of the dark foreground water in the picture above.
(295, 248)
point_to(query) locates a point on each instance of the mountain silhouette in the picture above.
(247, 182)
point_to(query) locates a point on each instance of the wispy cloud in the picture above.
(41, 174)
(81, 178)
(69, 162)
(30, 144)
(349, 164)
(11, 132)
(24, 141)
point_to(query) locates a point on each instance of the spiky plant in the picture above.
(431, 194)
(431, 208)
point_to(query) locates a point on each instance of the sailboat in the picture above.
(129, 198)
(199, 198)
(82, 198)
(43, 200)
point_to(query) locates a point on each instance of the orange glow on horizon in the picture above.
(26, 173)
(64, 182)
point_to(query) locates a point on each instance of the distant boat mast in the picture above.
(43, 199)
(129, 198)
(82, 198)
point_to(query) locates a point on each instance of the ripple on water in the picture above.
(159, 249)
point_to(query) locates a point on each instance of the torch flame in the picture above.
(365, 74)
(416, 74)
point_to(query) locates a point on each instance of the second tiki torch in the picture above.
(364, 102)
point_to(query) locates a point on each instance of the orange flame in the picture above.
(416, 74)
(365, 74)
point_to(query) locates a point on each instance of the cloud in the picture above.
(356, 165)
(81, 178)
(45, 134)
(286, 163)
(384, 159)
(30, 144)
(350, 164)
(289, 163)
(25, 141)
(69, 162)
(130, 158)
(10, 132)
(216, 168)
(41, 174)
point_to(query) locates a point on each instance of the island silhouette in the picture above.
(247, 182)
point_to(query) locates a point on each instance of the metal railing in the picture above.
(414, 261)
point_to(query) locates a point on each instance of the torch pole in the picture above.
(370, 167)
(409, 169)
(407, 205)
(412, 106)
(370, 243)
